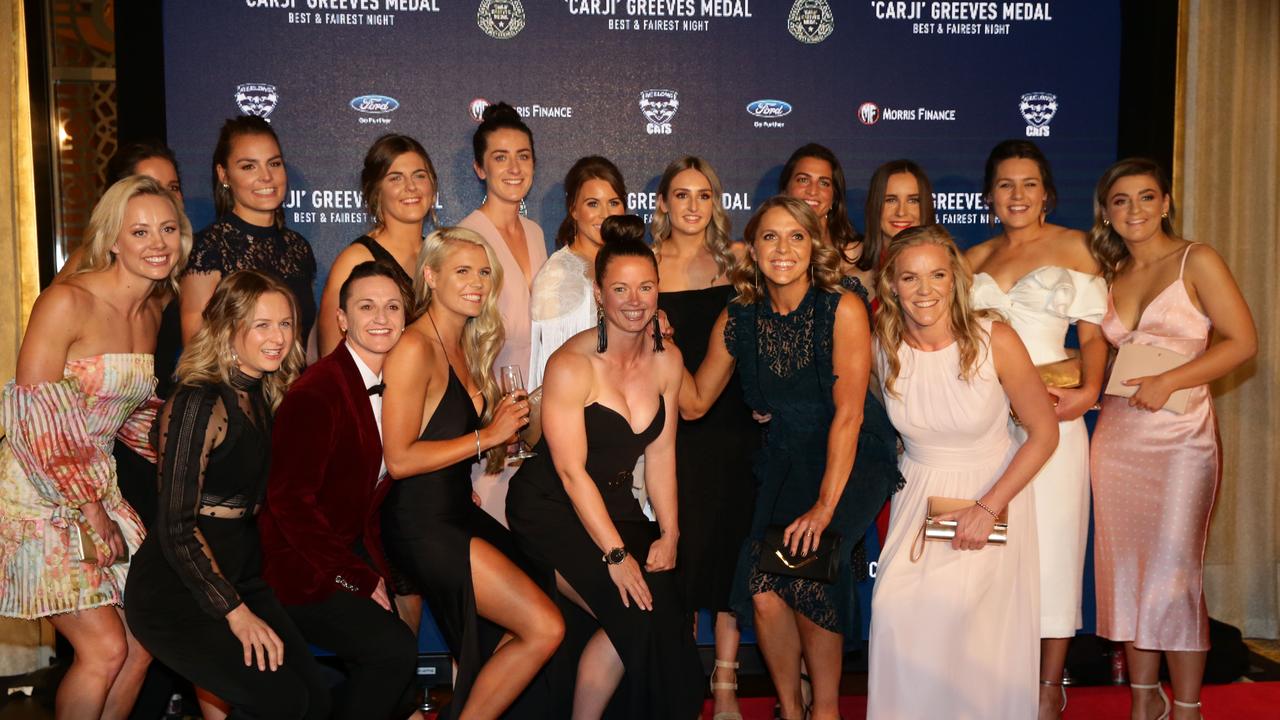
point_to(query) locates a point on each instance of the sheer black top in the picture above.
(215, 446)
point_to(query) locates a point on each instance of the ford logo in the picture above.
(374, 104)
(769, 108)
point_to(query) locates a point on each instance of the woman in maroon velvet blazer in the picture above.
(320, 527)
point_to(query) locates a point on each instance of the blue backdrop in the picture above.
(739, 82)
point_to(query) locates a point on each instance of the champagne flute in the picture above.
(513, 383)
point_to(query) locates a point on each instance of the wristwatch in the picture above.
(615, 556)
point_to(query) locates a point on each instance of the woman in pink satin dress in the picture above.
(1155, 471)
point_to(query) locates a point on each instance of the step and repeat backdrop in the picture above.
(739, 82)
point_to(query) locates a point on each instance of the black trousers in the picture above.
(379, 651)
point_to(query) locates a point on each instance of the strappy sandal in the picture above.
(1163, 698)
(725, 715)
(1195, 705)
(1061, 686)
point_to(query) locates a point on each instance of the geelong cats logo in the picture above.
(501, 19)
(810, 21)
(1038, 109)
(659, 106)
(257, 99)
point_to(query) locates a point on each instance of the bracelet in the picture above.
(993, 513)
(479, 459)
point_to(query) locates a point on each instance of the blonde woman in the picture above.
(197, 599)
(442, 413)
(695, 253)
(954, 626)
(84, 378)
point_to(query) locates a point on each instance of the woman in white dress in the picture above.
(1041, 278)
(562, 304)
(954, 629)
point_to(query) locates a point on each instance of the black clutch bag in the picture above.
(819, 565)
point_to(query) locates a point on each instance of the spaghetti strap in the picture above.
(1185, 253)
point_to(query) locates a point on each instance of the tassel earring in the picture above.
(602, 333)
(657, 335)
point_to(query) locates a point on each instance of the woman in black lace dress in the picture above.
(196, 598)
(802, 349)
(249, 187)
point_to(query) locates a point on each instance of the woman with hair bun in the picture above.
(611, 395)
(503, 155)
(443, 412)
(562, 304)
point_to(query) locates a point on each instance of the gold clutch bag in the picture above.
(934, 529)
(1066, 373)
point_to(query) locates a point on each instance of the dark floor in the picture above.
(1087, 663)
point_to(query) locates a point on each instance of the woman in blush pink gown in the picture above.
(1155, 471)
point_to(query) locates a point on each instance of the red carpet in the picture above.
(1238, 701)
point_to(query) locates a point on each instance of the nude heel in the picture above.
(725, 686)
(1163, 698)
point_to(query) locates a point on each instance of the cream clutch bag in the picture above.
(1135, 360)
(934, 529)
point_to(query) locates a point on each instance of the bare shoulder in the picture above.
(569, 370)
(62, 301)
(978, 254)
(670, 364)
(1074, 244)
(351, 256)
(1004, 339)
(413, 346)
(1205, 261)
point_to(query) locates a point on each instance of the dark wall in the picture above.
(1148, 79)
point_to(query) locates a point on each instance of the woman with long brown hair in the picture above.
(1155, 470)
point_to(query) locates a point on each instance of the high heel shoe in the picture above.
(1163, 698)
(726, 715)
(1061, 686)
(1196, 705)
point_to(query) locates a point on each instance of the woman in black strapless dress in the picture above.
(608, 396)
(499, 626)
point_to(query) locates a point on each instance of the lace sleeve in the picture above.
(47, 431)
(560, 306)
(190, 427)
(206, 251)
(731, 332)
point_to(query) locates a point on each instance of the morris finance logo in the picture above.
(500, 19)
(257, 99)
(810, 21)
(476, 108)
(659, 106)
(868, 113)
(1038, 109)
(375, 104)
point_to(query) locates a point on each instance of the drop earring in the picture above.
(602, 333)
(657, 335)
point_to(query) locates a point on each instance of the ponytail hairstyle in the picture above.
(890, 318)
(717, 238)
(209, 358)
(824, 262)
(591, 167)
(223, 201)
(1106, 246)
(482, 335)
